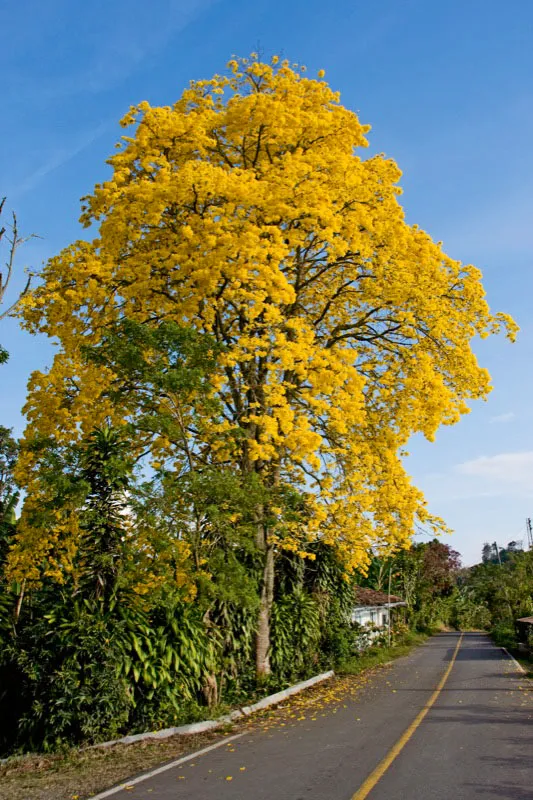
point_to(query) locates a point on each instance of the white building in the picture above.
(373, 609)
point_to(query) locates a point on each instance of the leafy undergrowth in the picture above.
(504, 635)
(82, 773)
(376, 656)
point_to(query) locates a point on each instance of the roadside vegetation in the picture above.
(214, 459)
(81, 772)
(497, 592)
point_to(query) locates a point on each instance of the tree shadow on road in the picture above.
(478, 715)
(506, 791)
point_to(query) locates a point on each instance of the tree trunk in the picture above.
(262, 644)
(262, 648)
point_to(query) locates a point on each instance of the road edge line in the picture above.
(517, 664)
(378, 772)
(152, 773)
(197, 727)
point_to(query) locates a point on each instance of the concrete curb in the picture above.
(519, 666)
(227, 719)
(273, 699)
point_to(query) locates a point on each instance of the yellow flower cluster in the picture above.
(246, 211)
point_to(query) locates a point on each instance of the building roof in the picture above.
(528, 620)
(370, 597)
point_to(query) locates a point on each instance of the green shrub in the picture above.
(469, 612)
(64, 686)
(504, 634)
(167, 657)
(295, 635)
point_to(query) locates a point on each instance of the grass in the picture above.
(81, 773)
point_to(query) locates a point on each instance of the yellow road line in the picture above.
(395, 751)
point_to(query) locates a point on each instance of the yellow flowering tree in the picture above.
(246, 212)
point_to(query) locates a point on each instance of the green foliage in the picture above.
(8, 457)
(213, 511)
(469, 612)
(424, 577)
(63, 675)
(103, 670)
(333, 591)
(167, 657)
(504, 634)
(106, 471)
(506, 589)
(156, 361)
(105, 656)
(295, 635)
(235, 626)
(337, 641)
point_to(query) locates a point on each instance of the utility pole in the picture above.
(529, 534)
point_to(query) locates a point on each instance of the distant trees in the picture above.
(425, 576)
(487, 596)
(486, 553)
(502, 584)
(493, 554)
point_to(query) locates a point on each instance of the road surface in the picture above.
(452, 720)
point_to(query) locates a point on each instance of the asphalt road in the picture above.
(476, 740)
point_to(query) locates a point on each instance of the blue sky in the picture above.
(448, 90)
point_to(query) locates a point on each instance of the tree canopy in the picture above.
(246, 214)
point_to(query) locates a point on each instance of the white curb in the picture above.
(213, 724)
(519, 666)
(279, 696)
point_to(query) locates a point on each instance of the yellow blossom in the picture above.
(247, 211)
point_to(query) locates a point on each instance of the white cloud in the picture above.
(512, 470)
(506, 417)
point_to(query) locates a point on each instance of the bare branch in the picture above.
(14, 241)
